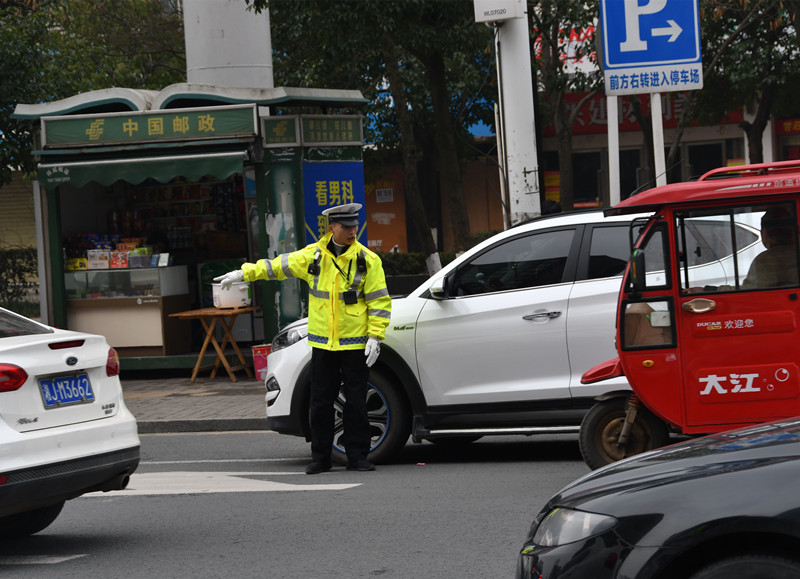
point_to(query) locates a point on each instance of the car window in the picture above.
(609, 251)
(527, 261)
(14, 325)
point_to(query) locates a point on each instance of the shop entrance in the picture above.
(136, 253)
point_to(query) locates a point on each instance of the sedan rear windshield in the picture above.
(13, 325)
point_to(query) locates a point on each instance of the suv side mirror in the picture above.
(438, 288)
(637, 274)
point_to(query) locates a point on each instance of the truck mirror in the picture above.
(637, 271)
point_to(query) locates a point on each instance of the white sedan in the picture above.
(64, 428)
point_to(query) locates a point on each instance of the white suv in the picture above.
(494, 343)
(497, 341)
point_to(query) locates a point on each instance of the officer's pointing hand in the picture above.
(372, 350)
(227, 280)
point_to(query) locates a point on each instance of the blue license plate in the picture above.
(66, 390)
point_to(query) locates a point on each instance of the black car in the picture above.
(721, 506)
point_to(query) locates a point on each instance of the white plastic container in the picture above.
(238, 296)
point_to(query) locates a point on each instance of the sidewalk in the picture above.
(166, 401)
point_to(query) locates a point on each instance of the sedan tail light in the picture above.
(112, 364)
(11, 377)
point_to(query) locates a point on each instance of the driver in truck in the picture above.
(777, 266)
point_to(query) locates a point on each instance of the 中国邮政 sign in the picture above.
(150, 126)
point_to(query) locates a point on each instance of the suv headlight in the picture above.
(289, 336)
(562, 526)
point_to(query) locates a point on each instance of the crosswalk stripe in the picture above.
(188, 483)
(37, 559)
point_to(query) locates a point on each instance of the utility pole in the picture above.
(516, 133)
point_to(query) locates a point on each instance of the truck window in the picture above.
(737, 248)
(655, 262)
(647, 324)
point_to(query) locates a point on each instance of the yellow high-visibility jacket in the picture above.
(333, 324)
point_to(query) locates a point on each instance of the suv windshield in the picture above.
(12, 325)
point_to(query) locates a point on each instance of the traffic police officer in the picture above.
(349, 310)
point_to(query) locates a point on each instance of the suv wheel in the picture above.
(389, 420)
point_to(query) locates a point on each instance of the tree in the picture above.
(441, 61)
(554, 23)
(130, 43)
(52, 49)
(23, 66)
(754, 47)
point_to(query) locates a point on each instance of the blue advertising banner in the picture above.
(330, 184)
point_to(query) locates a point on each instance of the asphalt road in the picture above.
(239, 505)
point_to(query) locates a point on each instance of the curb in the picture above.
(207, 425)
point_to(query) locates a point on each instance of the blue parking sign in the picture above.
(651, 46)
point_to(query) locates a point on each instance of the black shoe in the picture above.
(361, 464)
(318, 467)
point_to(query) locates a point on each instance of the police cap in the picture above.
(346, 214)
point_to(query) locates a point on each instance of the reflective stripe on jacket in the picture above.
(333, 324)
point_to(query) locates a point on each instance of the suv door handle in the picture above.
(542, 315)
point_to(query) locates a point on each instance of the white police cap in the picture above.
(346, 214)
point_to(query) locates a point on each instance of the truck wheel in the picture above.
(389, 420)
(599, 435)
(30, 522)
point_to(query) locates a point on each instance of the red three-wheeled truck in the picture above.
(707, 318)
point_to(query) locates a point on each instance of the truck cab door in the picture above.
(737, 313)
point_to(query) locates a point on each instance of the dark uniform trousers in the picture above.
(329, 369)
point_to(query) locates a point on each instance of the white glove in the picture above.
(227, 280)
(372, 350)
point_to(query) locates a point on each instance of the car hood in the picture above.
(698, 480)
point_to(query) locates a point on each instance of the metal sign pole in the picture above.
(613, 150)
(658, 138)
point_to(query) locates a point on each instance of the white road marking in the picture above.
(38, 559)
(221, 461)
(189, 483)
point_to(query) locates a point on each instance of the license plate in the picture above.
(66, 390)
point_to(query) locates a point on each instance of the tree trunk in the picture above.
(449, 167)
(755, 129)
(410, 156)
(564, 136)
